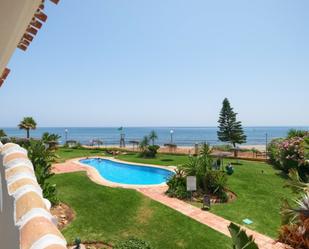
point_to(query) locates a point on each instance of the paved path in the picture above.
(214, 221)
(158, 194)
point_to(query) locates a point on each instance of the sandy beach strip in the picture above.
(180, 149)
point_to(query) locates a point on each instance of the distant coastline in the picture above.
(182, 136)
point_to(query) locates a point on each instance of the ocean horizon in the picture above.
(182, 135)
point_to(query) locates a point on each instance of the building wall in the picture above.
(25, 218)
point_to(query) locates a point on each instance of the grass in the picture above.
(258, 186)
(259, 195)
(112, 214)
(161, 159)
(260, 190)
(67, 153)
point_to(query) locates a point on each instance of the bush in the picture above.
(177, 186)
(41, 159)
(5, 140)
(290, 153)
(150, 151)
(297, 133)
(223, 196)
(216, 181)
(306, 148)
(295, 217)
(23, 142)
(274, 151)
(133, 243)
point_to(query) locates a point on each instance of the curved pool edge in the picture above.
(96, 177)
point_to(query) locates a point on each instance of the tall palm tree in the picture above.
(153, 136)
(2, 133)
(27, 124)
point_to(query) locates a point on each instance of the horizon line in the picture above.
(165, 126)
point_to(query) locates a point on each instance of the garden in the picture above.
(239, 191)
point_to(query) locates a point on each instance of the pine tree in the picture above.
(230, 130)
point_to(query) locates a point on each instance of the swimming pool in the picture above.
(124, 173)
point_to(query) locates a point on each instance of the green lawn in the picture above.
(259, 195)
(111, 214)
(66, 153)
(161, 159)
(259, 190)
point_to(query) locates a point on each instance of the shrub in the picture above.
(194, 167)
(297, 133)
(177, 186)
(198, 166)
(306, 148)
(290, 153)
(295, 218)
(216, 181)
(41, 159)
(274, 152)
(133, 243)
(5, 140)
(150, 151)
(23, 142)
(223, 196)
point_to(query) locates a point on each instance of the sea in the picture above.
(182, 136)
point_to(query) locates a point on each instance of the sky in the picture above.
(163, 63)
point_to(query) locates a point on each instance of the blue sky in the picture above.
(163, 63)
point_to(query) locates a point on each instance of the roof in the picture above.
(19, 24)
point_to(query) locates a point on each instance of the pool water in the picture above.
(128, 173)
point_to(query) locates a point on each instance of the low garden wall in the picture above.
(25, 218)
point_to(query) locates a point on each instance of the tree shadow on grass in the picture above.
(167, 160)
(235, 163)
(282, 174)
(95, 152)
(68, 150)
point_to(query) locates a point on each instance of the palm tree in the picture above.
(153, 136)
(291, 214)
(144, 143)
(2, 133)
(295, 218)
(51, 139)
(27, 124)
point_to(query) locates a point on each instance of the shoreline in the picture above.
(180, 148)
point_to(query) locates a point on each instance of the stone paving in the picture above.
(158, 194)
(214, 221)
